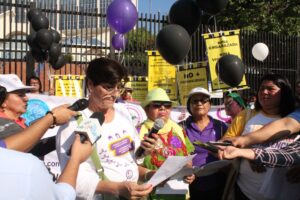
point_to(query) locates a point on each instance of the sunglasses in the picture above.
(203, 101)
(160, 104)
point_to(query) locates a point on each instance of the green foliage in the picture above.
(276, 16)
(138, 42)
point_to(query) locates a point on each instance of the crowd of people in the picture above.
(261, 142)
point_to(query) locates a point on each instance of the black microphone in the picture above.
(158, 124)
(79, 105)
(88, 129)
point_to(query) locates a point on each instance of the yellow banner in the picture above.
(139, 85)
(69, 85)
(217, 45)
(161, 74)
(189, 77)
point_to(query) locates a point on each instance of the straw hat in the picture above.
(157, 94)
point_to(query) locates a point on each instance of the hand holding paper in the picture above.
(171, 166)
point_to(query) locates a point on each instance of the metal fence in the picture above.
(86, 35)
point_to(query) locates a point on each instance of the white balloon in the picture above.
(260, 51)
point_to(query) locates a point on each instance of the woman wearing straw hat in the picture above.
(171, 138)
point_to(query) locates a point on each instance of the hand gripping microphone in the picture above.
(158, 124)
(79, 105)
(90, 128)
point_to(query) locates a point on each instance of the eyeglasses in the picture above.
(229, 104)
(167, 105)
(119, 88)
(203, 101)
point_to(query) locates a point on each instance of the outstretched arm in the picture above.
(79, 153)
(284, 157)
(27, 138)
(271, 131)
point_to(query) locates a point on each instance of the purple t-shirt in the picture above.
(2, 144)
(212, 132)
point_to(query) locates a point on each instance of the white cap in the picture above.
(12, 83)
(199, 90)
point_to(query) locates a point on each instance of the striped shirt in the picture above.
(284, 157)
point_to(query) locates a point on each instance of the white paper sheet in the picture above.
(171, 166)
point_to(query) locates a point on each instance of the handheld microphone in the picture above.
(89, 129)
(158, 124)
(79, 105)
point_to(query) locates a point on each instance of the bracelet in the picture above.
(54, 118)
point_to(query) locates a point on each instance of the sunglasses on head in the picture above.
(203, 101)
(160, 104)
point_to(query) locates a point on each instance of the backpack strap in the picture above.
(99, 169)
(218, 124)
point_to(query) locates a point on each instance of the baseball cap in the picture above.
(12, 83)
(199, 90)
(236, 97)
(157, 94)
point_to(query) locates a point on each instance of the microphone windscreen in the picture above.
(158, 124)
(99, 116)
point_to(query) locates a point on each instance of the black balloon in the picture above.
(212, 6)
(31, 39)
(38, 54)
(54, 52)
(44, 39)
(40, 22)
(173, 43)
(230, 70)
(187, 14)
(55, 36)
(59, 63)
(33, 13)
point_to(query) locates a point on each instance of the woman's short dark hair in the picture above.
(287, 99)
(37, 79)
(105, 70)
(3, 94)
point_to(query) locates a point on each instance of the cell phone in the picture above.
(207, 146)
(224, 143)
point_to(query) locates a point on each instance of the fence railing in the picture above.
(86, 35)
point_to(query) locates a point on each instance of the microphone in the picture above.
(79, 105)
(158, 124)
(89, 129)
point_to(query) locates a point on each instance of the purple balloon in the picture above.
(118, 41)
(122, 15)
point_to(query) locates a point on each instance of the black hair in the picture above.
(287, 99)
(104, 70)
(3, 94)
(39, 81)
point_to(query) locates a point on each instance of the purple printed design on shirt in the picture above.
(129, 174)
(175, 142)
(122, 146)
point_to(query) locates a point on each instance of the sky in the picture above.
(155, 6)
